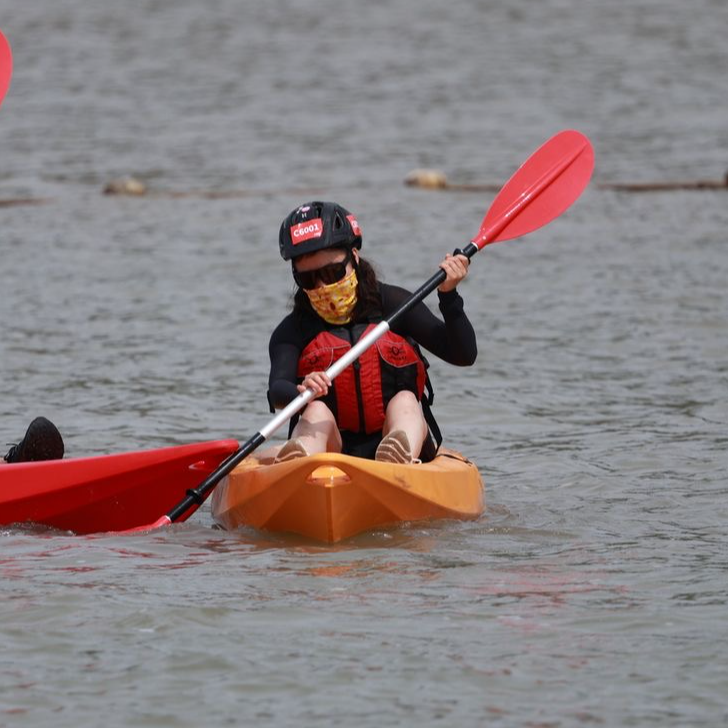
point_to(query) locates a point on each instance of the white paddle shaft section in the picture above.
(332, 372)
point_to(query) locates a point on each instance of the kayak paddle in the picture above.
(6, 66)
(547, 183)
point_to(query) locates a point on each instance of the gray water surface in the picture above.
(594, 589)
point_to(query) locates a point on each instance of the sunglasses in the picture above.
(327, 274)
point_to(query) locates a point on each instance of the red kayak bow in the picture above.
(107, 492)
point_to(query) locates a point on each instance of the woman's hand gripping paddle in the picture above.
(547, 183)
(6, 66)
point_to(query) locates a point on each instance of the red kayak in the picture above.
(106, 492)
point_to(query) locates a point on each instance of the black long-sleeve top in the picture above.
(451, 339)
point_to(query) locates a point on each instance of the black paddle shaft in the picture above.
(429, 285)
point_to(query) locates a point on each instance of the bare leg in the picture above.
(405, 413)
(317, 430)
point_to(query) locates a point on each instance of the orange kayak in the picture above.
(330, 497)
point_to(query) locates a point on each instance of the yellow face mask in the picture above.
(335, 302)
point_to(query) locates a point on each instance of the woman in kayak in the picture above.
(42, 441)
(377, 407)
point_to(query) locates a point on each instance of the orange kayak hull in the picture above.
(330, 497)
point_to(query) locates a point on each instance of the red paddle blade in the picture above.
(159, 523)
(6, 66)
(545, 185)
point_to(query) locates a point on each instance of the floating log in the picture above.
(228, 194)
(434, 179)
(422, 178)
(474, 188)
(19, 201)
(700, 184)
(134, 187)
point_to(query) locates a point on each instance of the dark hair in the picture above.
(368, 298)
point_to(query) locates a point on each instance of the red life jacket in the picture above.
(360, 394)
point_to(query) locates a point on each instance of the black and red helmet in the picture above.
(315, 226)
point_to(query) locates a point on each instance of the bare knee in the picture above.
(317, 411)
(404, 405)
(317, 428)
(404, 399)
(405, 413)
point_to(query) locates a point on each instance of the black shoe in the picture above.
(42, 441)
